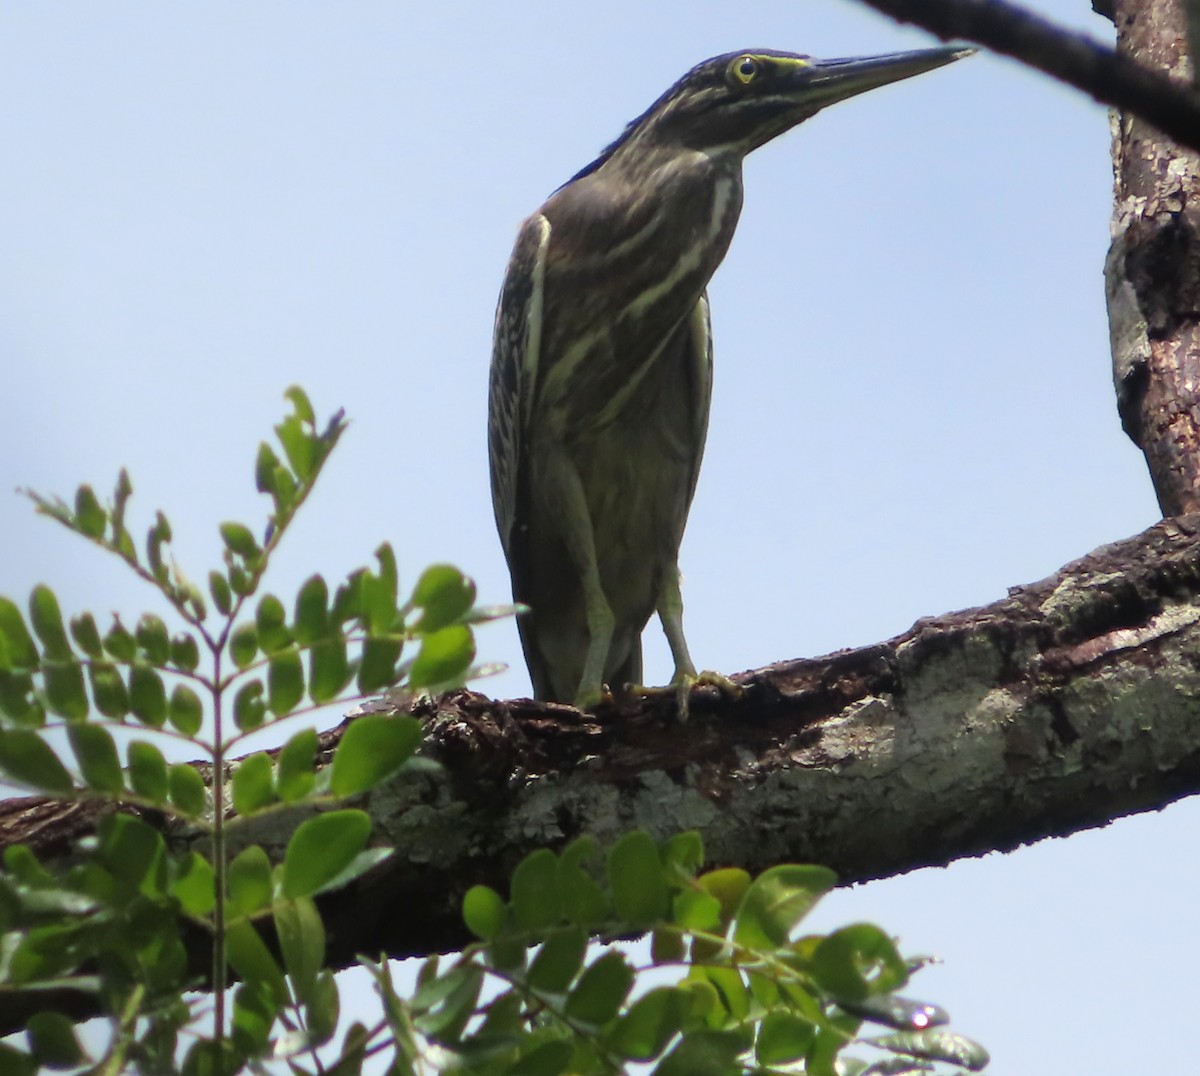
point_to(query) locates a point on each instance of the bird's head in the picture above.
(736, 102)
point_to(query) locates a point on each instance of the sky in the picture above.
(203, 204)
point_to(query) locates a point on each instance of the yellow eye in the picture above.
(745, 69)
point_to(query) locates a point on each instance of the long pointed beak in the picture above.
(827, 81)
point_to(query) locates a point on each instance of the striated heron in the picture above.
(602, 362)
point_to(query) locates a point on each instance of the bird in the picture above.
(601, 370)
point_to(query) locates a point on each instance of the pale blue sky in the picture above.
(201, 204)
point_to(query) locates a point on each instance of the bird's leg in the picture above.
(580, 540)
(670, 612)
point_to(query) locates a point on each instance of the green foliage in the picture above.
(731, 985)
(233, 662)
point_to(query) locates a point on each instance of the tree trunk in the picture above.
(1152, 274)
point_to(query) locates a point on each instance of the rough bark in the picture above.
(1152, 273)
(1068, 703)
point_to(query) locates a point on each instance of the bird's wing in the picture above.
(515, 350)
(701, 346)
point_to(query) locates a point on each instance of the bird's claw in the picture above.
(683, 683)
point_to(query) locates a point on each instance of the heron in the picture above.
(601, 373)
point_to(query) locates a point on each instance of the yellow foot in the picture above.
(682, 684)
(590, 698)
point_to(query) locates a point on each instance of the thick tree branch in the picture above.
(1170, 104)
(1066, 704)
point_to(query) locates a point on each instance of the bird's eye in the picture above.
(745, 69)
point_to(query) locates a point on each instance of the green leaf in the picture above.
(697, 911)
(706, 1053)
(250, 886)
(533, 894)
(294, 775)
(254, 1014)
(147, 695)
(134, 853)
(285, 682)
(372, 749)
(601, 990)
(156, 537)
(86, 635)
(299, 446)
(265, 465)
(329, 671)
(89, 515)
(53, 1042)
(239, 540)
(65, 694)
(377, 667)
(253, 961)
(284, 493)
(322, 1010)
(14, 1062)
(377, 593)
(187, 791)
(97, 756)
(903, 1014)
(194, 884)
(649, 1025)
(240, 581)
(186, 711)
(546, 1058)
(558, 961)
(185, 652)
(445, 594)
(108, 690)
(776, 902)
(147, 770)
(243, 645)
(152, 637)
(312, 611)
(302, 942)
(667, 946)
(783, 1038)
(347, 602)
(685, 852)
(730, 989)
(728, 887)
(583, 901)
(249, 707)
(46, 618)
(27, 759)
(209, 1057)
(443, 659)
(936, 1046)
(366, 860)
(444, 1006)
(271, 621)
(858, 961)
(483, 912)
(639, 885)
(251, 784)
(301, 407)
(17, 701)
(119, 643)
(320, 848)
(16, 644)
(222, 596)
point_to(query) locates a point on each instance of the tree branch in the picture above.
(1071, 702)
(1170, 104)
